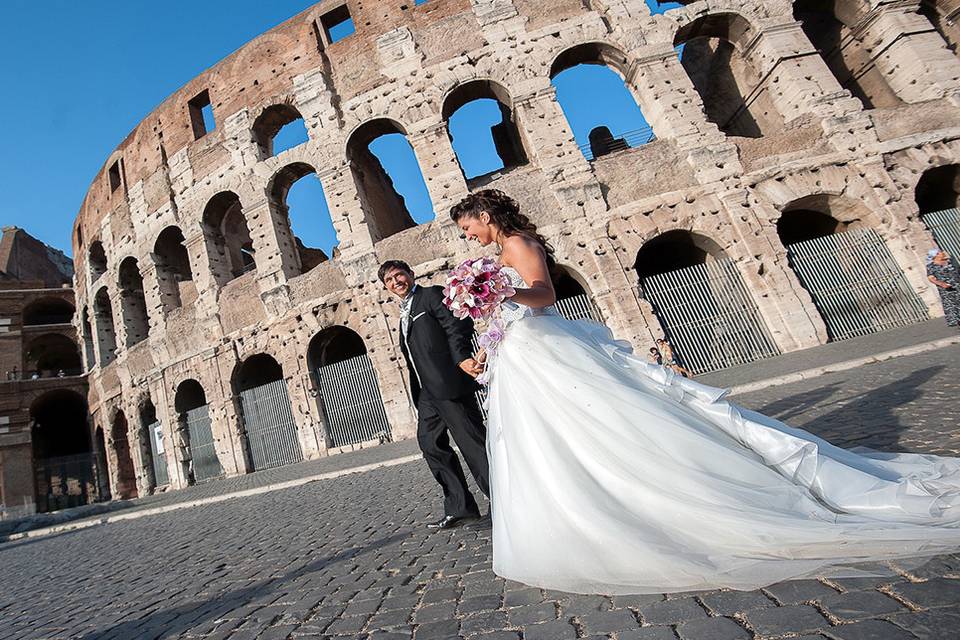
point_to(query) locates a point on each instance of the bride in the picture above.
(611, 475)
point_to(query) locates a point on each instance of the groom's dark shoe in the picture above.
(450, 522)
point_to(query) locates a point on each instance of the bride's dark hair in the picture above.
(505, 213)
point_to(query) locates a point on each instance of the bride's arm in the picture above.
(527, 257)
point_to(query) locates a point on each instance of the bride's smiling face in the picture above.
(479, 228)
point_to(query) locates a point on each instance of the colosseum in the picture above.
(802, 158)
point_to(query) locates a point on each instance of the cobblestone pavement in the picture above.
(348, 558)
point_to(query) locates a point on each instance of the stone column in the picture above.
(346, 213)
(910, 53)
(546, 134)
(441, 169)
(674, 110)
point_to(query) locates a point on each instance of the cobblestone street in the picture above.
(349, 557)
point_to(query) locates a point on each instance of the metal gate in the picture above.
(66, 481)
(579, 307)
(709, 317)
(945, 227)
(352, 402)
(268, 422)
(855, 283)
(203, 452)
(158, 454)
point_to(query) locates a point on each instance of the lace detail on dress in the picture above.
(510, 311)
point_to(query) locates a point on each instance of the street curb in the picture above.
(735, 390)
(844, 365)
(141, 513)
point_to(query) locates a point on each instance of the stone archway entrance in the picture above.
(855, 283)
(194, 434)
(126, 478)
(349, 394)
(264, 403)
(706, 311)
(63, 459)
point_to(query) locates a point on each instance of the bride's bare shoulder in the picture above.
(518, 247)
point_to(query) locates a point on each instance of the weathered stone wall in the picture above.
(701, 174)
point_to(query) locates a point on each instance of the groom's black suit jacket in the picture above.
(435, 345)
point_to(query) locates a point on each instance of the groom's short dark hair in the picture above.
(393, 264)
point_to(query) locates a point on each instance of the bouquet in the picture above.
(475, 289)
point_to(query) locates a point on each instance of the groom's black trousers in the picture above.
(463, 419)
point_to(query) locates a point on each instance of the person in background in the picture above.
(670, 361)
(942, 273)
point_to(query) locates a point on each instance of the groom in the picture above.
(438, 352)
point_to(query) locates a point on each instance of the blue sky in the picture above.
(79, 76)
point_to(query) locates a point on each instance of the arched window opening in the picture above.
(88, 347)
(106, 334)
(600, 109)
(133, 302)
(48, 311)
(52, 355)
(735, 96)
(173, 267)
(348, 394)
(708, 316)
(483, 131)
(392, 190)
(263, 402)
(126, 479)
(297, 193)
(96, 260)
(228, 238)
(944, 16)
(827, 24)
(279, 127)
(938, 198)
(855, 283)
(62, 453)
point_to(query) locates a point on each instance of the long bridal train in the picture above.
(612, 475)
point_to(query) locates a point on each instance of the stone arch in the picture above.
(147, 416)
(173, 267)
(52, 354)
(844, 264)
(832, 27)
(301, 257)
(574, 298)
(733, 88)
(48, 310)
(227, 234)
(348, 391)
(697, 294)
(96, 260)
(506, 138)
(133, 302)
(602, 135)
(385, 210)
(62, 450)
(106, 333)
(193, 434)
(102, 465)
(266, 415)
(271, 122)
(126, 476)
(937, 195)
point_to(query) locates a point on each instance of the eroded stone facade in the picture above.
(754, 122)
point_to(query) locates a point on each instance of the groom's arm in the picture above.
(458, 332)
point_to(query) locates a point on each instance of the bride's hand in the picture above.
(481, 357)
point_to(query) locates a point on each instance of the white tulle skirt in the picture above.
(611, 475)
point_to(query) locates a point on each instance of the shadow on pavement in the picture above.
(866, 419)
(174, 622)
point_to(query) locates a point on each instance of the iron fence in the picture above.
(855, 283)
(708, 316)
(945, 227)
(203, 453)
(269, 425)
(626, 140)
(65, 481)
(352, 403)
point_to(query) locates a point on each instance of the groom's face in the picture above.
(398, 282)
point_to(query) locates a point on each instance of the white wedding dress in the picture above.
(615, 476)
